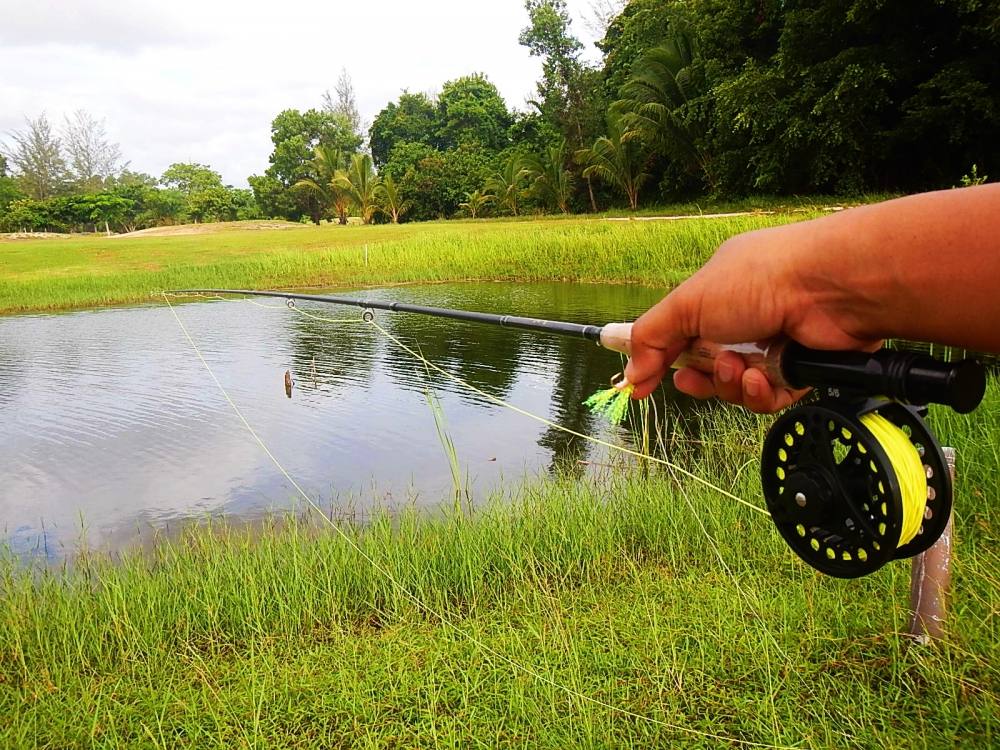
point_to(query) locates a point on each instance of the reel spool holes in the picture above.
(853, 485)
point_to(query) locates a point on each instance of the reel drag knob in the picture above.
(846, 486)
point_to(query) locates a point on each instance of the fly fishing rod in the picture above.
(852, 480)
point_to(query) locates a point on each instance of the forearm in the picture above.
(924, 267)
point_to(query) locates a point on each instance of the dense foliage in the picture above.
(692, 98)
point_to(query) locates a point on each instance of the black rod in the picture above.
(897, 375)
(590, 332)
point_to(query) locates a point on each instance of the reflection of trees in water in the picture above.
(581, 370)
(488, 357)
(330, 356)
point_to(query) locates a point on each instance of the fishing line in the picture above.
(909, 470)
(420, 605)
(610, 395)
(544, 420)
(840, 518)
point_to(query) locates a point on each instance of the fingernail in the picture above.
(725, 372)
(752, 387)
(621, 384)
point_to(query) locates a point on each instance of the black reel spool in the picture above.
(834, 494)
(830, 484)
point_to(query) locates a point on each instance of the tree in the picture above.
(569, 95)
(663, 103)
(25, 215)
(551, 182)
(9, 192)
(93, 159)
(360, 182)
(412, 120)
(107, 208)
(324, 168)
(472, 113)
(206, 198)
(391, 199)
(295, 136)
(602, 15)
(507, 185)
(475, 203)
(190, 178)
(38, 160)
(436, 182)
(641, 25)
(345, 104)
(618, 159)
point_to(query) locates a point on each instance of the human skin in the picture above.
(925, 267)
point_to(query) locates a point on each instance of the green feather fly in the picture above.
(611, 403)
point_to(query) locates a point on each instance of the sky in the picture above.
(200, 81)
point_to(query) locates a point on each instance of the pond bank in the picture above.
(38, 276)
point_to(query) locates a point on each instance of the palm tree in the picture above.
(550, 180)
(391, 199)
(324, 166)
(618, 158)
(475, 202)
(655, 99)
(360, 184)
(506, 185)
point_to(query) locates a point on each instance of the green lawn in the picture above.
(53, 274)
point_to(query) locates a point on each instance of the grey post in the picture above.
(930, 580)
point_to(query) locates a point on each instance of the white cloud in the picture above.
(102, 24)
(201, 80)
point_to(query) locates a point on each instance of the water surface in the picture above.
(112, 428)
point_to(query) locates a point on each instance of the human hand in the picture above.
(757, 286)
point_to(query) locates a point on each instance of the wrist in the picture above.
(839, 274)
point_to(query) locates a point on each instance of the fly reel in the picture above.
(853, 485)
(852, 481)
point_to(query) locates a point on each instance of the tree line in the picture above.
(75, 180)
(719, 98)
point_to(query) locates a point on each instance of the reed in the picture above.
(635, 590)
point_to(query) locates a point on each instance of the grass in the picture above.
(516, 625)
(626, 609)
(54, 274)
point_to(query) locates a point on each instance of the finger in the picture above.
(694, 383)
(728, 375)
(644, 387)
(648, 362)
(760, 396)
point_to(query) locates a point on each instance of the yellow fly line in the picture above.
(909, 471)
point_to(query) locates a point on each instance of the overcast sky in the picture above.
(201, 80)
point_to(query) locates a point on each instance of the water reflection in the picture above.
(110, 426)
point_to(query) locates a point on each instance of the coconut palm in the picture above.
(618, 158)
(550, 181)
(655, 99)
(507, 185)
(391, 199)
(475, 202)
(324, 165)
(360, 183)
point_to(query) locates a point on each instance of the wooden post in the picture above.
(930, 580)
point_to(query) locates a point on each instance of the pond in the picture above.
(112, 429)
